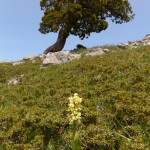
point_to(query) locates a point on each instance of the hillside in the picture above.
(33, 112)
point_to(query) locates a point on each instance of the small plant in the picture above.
(75, 119)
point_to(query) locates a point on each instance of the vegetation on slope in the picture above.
(33, 113)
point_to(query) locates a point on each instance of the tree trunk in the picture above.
(61, 40)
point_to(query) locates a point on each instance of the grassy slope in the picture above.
(33, 113)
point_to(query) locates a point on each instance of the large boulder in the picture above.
(56, 58)
(59, 57)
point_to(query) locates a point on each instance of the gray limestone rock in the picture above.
(15, 81)
(56, 58)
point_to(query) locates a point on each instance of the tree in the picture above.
(81, 18)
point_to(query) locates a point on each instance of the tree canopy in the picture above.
(82, 17)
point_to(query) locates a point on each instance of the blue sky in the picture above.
(19, 35)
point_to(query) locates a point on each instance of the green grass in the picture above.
(33, 113)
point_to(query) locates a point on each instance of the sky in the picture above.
(19, 24)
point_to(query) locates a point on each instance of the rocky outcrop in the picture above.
(60, 57)
(66, 56)
(135, 44)
(56, 58)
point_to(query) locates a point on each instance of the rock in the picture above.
(105, 50)
(135, 44)
(60, 57)
(148, 43)
(17, 63)
(33, 61)
(74, 56)
(95, 52)
(146, 40)
(30, 57)
(66, 56)
(15, 80)
(123, 45)
(56, 58)
(52, 59)
(42, 56)
(147, 36)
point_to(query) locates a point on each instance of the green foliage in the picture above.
(82, 17)
(33, 113)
